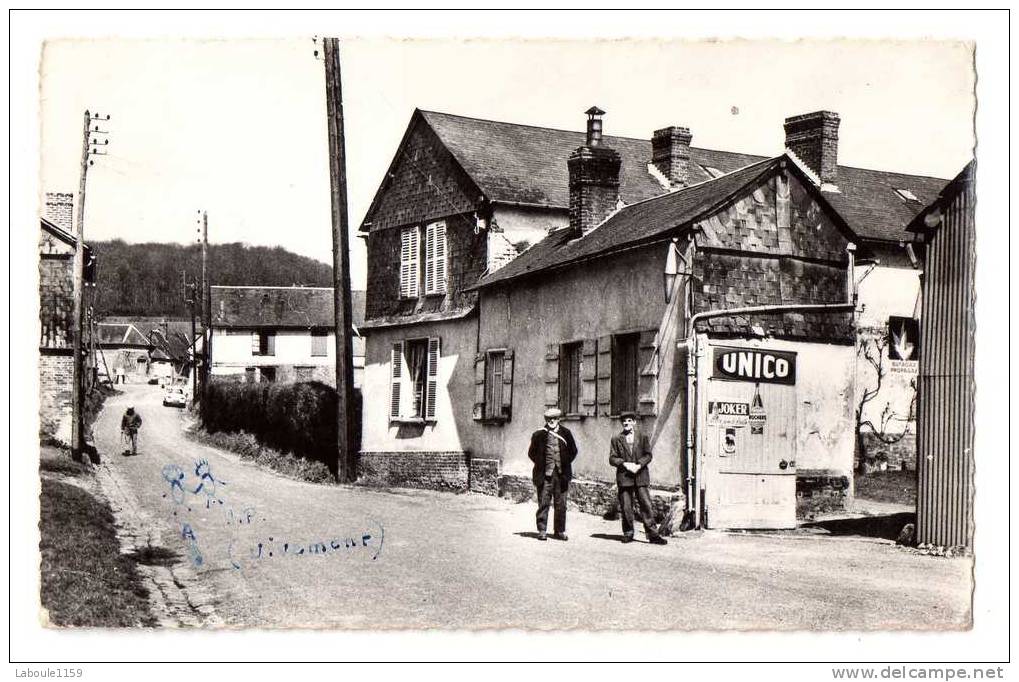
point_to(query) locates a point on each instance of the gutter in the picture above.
(693, 451)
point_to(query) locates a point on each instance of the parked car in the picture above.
(176, 396)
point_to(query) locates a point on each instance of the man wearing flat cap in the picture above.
(630, 454)
(552, 450)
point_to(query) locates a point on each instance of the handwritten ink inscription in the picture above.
(199, 485)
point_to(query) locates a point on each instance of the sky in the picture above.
(237, 127)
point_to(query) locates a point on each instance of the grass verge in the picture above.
(887, 486)
(250, 449)
(85, 581)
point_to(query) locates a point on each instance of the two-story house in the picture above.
(263, 333)
(56, 312)
(578, 318)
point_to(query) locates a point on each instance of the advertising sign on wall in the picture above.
(754, 364)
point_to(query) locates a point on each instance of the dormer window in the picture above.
(906, 195)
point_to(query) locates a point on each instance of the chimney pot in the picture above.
(594, 125)
(814, 139)
(670, 154)
(594, 178)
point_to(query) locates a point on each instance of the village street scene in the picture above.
(625, 358)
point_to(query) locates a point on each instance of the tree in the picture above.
(872, 348)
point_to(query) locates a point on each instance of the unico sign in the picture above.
(755, 364)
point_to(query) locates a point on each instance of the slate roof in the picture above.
(170, 336)
(632, 224)
(278, 307)
(120, 334)
(517, 163)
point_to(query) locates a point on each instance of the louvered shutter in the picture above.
(256, 343)
(410, 254)
(395, 379)
(270, 343)
(430, 259)
(479, 386)
(604, 374)
(432, 387)
(589, 378)
(647, 374)
(552, 375)
(507, 385)
(440, 258)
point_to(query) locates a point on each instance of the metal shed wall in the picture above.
(946, 390)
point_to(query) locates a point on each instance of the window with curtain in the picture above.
(625, 366)
(569, 377)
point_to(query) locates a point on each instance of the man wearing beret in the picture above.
(630, 454)
(552, 450)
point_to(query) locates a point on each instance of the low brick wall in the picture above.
(483, 476)
(820, 491)
(431, 470)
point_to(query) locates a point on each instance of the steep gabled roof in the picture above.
(524, 164)
(278, 307)
(516, 163)
(631, 225)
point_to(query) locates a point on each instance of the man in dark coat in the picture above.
(552, 450)
(630, 454)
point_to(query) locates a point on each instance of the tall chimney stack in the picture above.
(59, 210)
(594, 178)
(670, 154)
(814, 138)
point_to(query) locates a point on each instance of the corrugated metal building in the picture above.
(947, 345)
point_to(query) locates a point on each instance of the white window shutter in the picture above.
(430, 259)
(395, 380)
(440, 258)
(410, 254)
(255, 343)
(479, 386)
(432, 386)
(507, 384)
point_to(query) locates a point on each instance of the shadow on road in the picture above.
(611, 536)
(886, 527)
(155, 556)
(528, 534)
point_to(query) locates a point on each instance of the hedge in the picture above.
(298, 418)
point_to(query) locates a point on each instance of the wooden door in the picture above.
(748, 440)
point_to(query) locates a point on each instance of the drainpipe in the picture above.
(693, 450)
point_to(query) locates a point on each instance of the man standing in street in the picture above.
(630, 454)
(552, 450)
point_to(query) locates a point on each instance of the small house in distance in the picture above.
(263, 333)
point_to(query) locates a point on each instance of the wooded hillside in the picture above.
(145, 279)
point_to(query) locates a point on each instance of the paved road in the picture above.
(409, 559)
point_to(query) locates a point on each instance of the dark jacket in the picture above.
(619, 452)
(130, 422)
(567, 453)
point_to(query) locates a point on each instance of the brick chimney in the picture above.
(594, 178)
(814, 138)
(59, 210)
(670, 154)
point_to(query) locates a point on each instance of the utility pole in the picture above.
(77, 323)
(206, 308)
(191, 300)
(346, 457)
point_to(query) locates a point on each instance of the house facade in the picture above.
(578, 317)
(56, 313)
(283, 334)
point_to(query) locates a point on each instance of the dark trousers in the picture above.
(552, 493)
(647, 510)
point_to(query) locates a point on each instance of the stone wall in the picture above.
(819, 492)
(431, 470)
(483, 476)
